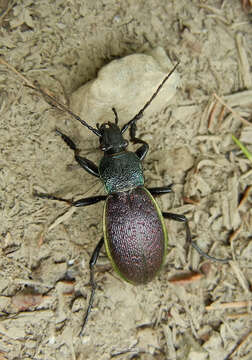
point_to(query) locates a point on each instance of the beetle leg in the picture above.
(89, 201)
(92, 263)
(86, 164)
(142, 151)
(81, 202)
(183, 219)
(84, 202)
(161, 190)
(116, 115)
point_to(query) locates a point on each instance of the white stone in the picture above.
(126, 84)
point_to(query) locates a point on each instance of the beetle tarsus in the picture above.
(182, 218)
(201, 252)
(92, 263)
(67, 140)
(52, 197)
(78, 203)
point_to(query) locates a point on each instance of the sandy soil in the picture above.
(195, 309)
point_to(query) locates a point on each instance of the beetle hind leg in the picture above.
(92, 263)
(189, 241)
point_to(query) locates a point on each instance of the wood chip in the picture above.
(235, 114)
(244, 65)
(241, 98)
(183, 279)
(245, 196)
(229, 305)
(240, 276)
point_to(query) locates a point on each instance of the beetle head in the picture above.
(111, 139)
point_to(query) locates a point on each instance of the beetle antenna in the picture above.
(53, 101)
(60, 106)
(141, 112)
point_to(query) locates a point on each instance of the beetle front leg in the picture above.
(92, 263)
(86, 164)
(182, 218)
(142, 151)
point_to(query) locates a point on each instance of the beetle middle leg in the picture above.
(78, 203)
(161, 190)
(182, 218)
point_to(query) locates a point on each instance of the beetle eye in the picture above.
(125, 143)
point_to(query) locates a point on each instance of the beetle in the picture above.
(134, 232)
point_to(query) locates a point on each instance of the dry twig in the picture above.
(244, 121)
(229, 305)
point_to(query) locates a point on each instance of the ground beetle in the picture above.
(134, 231)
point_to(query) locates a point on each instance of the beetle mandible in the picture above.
(134, 231)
